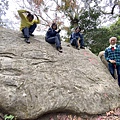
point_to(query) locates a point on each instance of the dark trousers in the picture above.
(54, 40)
(75, 43)
(112, 71)
(26, 31)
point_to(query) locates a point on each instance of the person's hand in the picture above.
(82, 31)
(79, 38)
(27, 12)
(59, 30)
(36, 16)
(112, 61)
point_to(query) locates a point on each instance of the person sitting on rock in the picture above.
(76, 39)
(53, 36)
(28, 24)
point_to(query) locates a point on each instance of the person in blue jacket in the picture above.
(53, 36)
(112, 55)
(76, 39)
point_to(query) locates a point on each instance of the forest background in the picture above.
(99, 19)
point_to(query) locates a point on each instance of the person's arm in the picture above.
(106, 55)
(20, 12)
(38, 20)
(76, 35)
(81, 37)
(51, 32)
(73, 35)
(58, 30)
(107, 58)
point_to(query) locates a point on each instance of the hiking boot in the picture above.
(82, 47)
(31, 34)
(27, 40)
(58, 48)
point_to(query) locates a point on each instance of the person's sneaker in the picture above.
(82, 47)
(78, 48)
(27, 40)
(31, 34)
(58, 48)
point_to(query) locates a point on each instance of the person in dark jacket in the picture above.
(53, 36)
(112, 55)
(76, 39)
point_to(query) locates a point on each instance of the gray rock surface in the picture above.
(102, 57)
(36, 79)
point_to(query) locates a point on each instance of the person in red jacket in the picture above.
(28, 24)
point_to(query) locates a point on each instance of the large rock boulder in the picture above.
(35, 79)
(102, 57)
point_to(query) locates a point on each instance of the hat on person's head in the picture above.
(112, 38)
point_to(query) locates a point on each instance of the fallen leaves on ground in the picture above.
(111, 115)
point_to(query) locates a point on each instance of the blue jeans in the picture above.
(75, 43)
(54, 40)
(112, 71)
(26, 31)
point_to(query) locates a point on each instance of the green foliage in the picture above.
(9, 117)
(115, 28)
(89, 20)
(98, 39)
